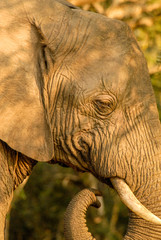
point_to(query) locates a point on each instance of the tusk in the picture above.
(129, 199)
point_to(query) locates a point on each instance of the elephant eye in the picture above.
(104, 104)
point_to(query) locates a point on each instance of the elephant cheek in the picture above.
(82, 144)
(89, 151)
(103, 159)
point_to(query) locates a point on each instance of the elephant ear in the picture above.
(23, 122)
(24, 118)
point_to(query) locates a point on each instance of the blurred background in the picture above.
(37, 210)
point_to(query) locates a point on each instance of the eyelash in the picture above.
(104, 107)
(99, 107)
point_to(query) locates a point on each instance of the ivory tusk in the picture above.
(129, 199)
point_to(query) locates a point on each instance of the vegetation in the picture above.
(37, 212)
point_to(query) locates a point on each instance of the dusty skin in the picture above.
(75, 89)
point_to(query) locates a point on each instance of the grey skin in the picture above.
(75, 90)
(74, 217)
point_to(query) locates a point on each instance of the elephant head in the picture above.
(75, 90)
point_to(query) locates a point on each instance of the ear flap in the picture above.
(23, 123)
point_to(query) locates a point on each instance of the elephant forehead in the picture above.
(125, 75)
(110, 59)
(101, 76)
(103, 73)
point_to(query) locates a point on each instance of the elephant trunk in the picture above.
(74, 220)
(75, 223)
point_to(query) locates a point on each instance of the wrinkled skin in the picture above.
(75, 90)
(74, 217)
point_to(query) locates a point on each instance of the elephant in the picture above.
(75, 90)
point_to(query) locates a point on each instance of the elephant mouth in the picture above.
(72, 166)
(125, 194)
(75, 217)
(129, 199)
(69, 164)
(123, 190)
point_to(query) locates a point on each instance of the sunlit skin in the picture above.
(75, 90)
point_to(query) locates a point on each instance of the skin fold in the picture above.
(75, 90)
